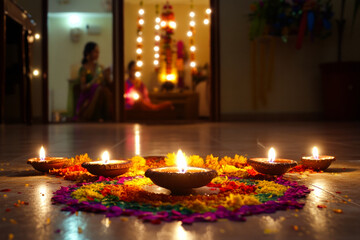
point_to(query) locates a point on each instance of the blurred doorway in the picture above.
(72, 24)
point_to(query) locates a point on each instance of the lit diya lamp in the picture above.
(180, 179)
(44, 164)
(107, 167)
(316, 161)
(271, 165)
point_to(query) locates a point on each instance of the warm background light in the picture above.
(74, 20)
(36, 72)
(37, 36)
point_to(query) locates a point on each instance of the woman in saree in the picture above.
(95, 102)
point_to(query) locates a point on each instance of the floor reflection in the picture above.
(137, 139)
(75, 227)
(272, 225)
(43, 196)
(319, 196)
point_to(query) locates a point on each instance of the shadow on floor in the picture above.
(24, 173)
(340, 170)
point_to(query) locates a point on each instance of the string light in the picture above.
(191, 35)
(157, 38)
(139, 40)
(207, 16)
(139, 63)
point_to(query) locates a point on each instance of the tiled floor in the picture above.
(40, 219)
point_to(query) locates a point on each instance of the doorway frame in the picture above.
(118, 60)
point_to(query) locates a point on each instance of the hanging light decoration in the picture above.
(207, 16)
(139, 41)
(157, 39)
(168, 25)
(191, 35)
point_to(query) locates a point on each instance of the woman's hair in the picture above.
(130, 65)
(89, 47)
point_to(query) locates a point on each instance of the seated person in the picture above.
(95, 102)
(137, 96)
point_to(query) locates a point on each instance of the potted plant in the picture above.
(341, 80)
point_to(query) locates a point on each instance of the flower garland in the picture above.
(168, 25)
(236, 199)
(293, 17)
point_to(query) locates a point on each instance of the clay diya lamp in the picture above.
(271, 165)
(44, 164)
(107, 167)
(316, 161)
(180, 179)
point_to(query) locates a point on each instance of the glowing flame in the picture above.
(105, 157)
(315, 152)
(181, 162)
(272, 155)
(42, 153)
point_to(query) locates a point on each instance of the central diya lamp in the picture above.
(44, 164)
(180, 179)
(316, 161)
(271, 165)
(107, 167)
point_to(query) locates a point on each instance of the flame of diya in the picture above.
(271, 165)
(180, 179)
(44, 164)
(316, 161)
(107, 167)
